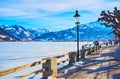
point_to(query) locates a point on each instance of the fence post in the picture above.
(83, 53)
(50, 67)
(95, 49)
(90, 51)
(72, 57)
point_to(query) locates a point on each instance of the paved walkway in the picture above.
(104, 65)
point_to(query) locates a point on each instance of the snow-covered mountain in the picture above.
(89, 31)
(37, 32)
(23, 33)
(4, 36)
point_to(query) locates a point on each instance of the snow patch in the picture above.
(27, 33)
(72, 69)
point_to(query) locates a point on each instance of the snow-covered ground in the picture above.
(14, 54)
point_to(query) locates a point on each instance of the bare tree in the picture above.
(111, 19)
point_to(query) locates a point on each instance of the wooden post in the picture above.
(83, 53)
(95, 49)
(72, 57)
(90, 51)
(50, 67)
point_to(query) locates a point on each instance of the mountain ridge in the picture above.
(4, 36)
(85, 33)
(88, 31)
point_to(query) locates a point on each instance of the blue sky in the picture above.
(52, 14)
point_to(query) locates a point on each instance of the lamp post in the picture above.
(76, 16)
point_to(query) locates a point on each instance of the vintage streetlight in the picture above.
(76, 16)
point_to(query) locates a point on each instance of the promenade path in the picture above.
(103, 65)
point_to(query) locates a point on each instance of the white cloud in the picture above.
(41, 10)
(19, 13)
(105, 6)
(10, 11)
(33, 7)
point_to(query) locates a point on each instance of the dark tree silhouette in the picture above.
(111, 19)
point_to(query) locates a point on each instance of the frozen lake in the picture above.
(14, 54)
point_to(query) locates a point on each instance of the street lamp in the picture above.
(76, 16)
